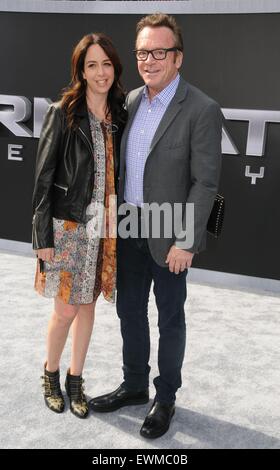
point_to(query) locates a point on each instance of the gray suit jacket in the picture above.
(184, 161)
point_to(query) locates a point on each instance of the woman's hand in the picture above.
(46, 254)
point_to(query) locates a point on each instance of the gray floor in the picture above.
(230, 396)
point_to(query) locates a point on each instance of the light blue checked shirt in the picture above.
(142, 131)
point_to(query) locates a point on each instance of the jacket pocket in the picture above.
(179, 152)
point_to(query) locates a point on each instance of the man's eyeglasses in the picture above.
(157, 54)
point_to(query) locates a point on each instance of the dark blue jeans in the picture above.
(135, 273)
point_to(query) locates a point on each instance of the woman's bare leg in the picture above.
(81, 334)
(58, 329)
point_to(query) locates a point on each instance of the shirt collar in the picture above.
(167, 93)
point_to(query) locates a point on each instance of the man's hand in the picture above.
(46, 254)
(178, 259)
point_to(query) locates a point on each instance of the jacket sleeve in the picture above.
(47, 155)
(205, 167)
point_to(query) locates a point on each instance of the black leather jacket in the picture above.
(64, 175)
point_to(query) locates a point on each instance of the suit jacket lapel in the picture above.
(171, 112)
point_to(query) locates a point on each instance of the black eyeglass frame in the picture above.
(170, 49)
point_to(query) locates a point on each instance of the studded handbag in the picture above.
(215, 221)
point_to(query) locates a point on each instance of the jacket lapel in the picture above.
(82, 114)
(171, 112)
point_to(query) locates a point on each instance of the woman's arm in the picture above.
(46, 161)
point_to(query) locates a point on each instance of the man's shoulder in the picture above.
(187, 92)
(199, 97)
(133, 94)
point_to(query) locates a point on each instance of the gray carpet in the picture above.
(231, 377)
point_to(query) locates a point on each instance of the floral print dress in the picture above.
(85, 254)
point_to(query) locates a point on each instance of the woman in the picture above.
(76, 173)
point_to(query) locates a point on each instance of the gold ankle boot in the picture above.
(52, 391)
(75, 391)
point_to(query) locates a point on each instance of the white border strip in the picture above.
(16, 247)
(234, 281)
(144, 7)
(201, 276)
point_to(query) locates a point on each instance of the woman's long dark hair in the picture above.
(73, 95)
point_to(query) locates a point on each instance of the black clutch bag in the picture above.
(215, 221)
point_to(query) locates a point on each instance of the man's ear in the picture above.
(179, 59)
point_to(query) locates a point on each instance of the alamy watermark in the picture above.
(152, 220)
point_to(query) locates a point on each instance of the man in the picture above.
(170, 153)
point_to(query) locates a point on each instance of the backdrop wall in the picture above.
(233, 58)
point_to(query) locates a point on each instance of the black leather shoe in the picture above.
(117, 399)
(157, 420)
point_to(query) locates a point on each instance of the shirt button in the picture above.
(142, 131)
(149, 110)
